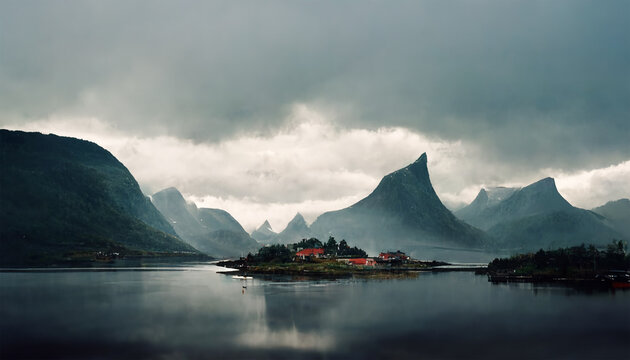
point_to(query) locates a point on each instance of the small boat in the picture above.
(617, 279)
(240, 277)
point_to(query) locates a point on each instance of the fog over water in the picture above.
(195, 313)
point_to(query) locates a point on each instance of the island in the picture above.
(314, 258)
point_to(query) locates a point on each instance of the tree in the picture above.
(343, 246)
(330, 248)
(309, 243)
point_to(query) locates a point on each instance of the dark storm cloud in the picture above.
(536, 83)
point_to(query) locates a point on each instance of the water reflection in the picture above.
(194, 313)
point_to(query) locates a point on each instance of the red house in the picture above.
(303, 254)
(362, 261)
(389, 256)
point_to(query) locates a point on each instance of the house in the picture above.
(393, 256)
(307, 253)
(362, 261)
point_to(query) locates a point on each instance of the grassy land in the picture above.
(327, 268)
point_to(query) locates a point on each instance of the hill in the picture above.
(64, 198)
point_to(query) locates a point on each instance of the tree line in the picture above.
(286, 253)
(566, 261)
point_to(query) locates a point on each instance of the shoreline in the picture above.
(337, 270)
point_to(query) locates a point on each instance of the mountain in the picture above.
(536, 216)
(485, 199)
(296, 230)
(618, 213)
(64, 198)
(213, 231)
(403, 211)
(264, 233)
(539, 197)
(173, 206)
(554, 229)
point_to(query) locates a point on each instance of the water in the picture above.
(193, 312)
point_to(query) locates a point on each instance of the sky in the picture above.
(267, 109)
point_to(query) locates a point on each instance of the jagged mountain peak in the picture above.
(297, 221)
(422, 159)
(265, 226)
(418, 169)
(296, 229)
(264, 233)
(482, 197)
(170, 190)
(548, 183)
(409, 187)
(545, 195)
(170, 193)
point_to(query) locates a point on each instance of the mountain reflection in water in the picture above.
(196, 313)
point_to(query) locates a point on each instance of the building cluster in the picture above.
(392, 256)
(308, 253)
(384, 258)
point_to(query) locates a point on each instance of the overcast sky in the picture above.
(269, 108)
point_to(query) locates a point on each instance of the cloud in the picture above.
(588, 189)
(310, 165)
(535, 84)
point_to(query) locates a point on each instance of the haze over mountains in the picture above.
(212, 231)
(63, 198)
(535, 216)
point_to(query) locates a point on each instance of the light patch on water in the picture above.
(292, 338)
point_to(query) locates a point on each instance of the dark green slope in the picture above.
(62, 197)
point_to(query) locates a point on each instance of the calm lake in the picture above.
(193, 312)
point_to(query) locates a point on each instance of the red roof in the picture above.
(358, 261)
(310, 252)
